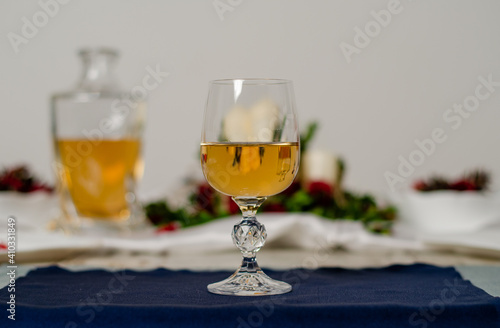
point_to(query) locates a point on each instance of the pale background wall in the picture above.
(371, 110)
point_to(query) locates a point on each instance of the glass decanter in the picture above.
(97, 134)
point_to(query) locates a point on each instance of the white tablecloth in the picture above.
(34, 212)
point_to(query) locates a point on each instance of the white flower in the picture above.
(264, 117)
(256, 124)
(237, 125)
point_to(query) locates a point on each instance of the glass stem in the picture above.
(249, 264)
(249, 235)
(249, 206)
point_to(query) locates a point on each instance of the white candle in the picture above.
(319, 165)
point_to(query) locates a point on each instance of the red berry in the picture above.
(276, 207)
(420, 185)
(463, 185)
(319, 188)
(205, 197)
(172, 226)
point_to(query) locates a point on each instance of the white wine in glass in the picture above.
(250, 150)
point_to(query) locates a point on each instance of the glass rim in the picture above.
(251, 81)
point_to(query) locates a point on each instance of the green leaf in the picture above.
(299, 201)
(306, 137)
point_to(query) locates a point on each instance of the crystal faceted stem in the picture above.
(249, 235)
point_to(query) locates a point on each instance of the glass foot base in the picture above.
(249, 284)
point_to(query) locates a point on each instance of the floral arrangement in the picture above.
(326, 198)
(20, 179)
(477, 180)
(322, 195)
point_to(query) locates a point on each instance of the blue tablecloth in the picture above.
(397, 296)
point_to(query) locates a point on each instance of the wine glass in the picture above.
(250, 150)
